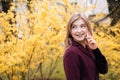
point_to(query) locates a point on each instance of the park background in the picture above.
(32, 34)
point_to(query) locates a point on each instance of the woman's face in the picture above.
(79, 30)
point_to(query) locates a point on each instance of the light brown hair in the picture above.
(75, 17)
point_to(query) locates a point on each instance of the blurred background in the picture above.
(32, 34)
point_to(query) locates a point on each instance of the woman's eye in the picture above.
(73, 27)
(83, 26)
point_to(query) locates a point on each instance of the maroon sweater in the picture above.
(83, 64)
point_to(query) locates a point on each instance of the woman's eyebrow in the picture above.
(73, 24)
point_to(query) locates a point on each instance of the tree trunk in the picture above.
(5, 5)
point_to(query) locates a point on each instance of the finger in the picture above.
(88, 33)
(88, 37)
(89, 40)
(92, 42)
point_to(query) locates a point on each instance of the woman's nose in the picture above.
(79, 30)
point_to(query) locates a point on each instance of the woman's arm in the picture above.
(101, 61)
(71, 66)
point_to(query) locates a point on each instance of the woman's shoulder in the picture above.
(71, 50)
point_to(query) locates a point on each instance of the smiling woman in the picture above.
(78, 31)
(82, 58)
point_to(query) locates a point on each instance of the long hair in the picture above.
(75, 17)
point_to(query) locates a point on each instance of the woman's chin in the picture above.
(79, 40)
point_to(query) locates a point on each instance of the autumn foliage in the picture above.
(32, 42)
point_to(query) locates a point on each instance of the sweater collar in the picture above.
(85, 50)
(78, 44)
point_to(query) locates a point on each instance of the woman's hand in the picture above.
(91, 42)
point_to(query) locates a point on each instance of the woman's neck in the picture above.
(83, 43)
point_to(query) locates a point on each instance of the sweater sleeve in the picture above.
(71, 66)
(101, 62)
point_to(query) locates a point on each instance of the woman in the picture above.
(82, 58)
